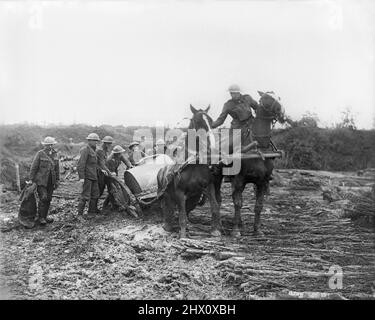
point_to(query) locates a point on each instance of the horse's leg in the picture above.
(218, 179)
(182, 217)
(261, 189)
(238, 186)
(167, 209)
(215, 211)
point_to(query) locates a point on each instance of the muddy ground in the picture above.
(118, 257)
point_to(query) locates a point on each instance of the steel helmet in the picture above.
(93, 136)
(108, 139)
(49, 140)
(118, 149)
(134, 143)
(234, 88)
(160, 142)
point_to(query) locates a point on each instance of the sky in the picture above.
(144, 62)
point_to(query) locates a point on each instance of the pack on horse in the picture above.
(186, 184)
(258, 169)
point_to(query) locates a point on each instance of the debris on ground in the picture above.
(116, 256)
(362, 208)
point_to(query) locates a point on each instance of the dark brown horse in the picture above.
(184, 185)
(256, 171)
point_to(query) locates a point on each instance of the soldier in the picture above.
(142, 144)
(88, 176)
(160, 147)
(45, 173)
(115, 158)
(135, 155)
(103, 153)
(239, 108)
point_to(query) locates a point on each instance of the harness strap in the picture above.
(261, 135)
(163, 190)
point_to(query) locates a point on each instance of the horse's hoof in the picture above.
(215, 233)
(236, 233)
(258, 234)
(167, 227)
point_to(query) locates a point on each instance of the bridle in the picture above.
(194, 124)
(193, 121)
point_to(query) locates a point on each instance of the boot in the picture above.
(81, 207)
(106, 205)
(48, 219)
(41, 213)
(93, 208)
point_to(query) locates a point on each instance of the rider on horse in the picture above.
(239, 108)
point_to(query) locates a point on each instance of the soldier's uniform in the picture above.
(142, 146)
(45, 173)
(102, 154)
(240, 110)
(160, 147)
(87, 169)
(135, 156)
(114, 161)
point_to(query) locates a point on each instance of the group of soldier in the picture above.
(96, 159)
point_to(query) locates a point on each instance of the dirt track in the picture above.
(118, 257)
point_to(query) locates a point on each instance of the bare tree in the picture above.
(347, 120)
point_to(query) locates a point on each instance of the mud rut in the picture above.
(118, 257)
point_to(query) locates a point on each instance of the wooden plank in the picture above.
(252, 156)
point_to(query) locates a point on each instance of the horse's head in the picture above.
(202, 121)
(271, 104)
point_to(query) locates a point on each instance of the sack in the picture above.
(28, 208)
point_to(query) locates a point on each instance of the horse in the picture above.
(191, 182)
(254, 170)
